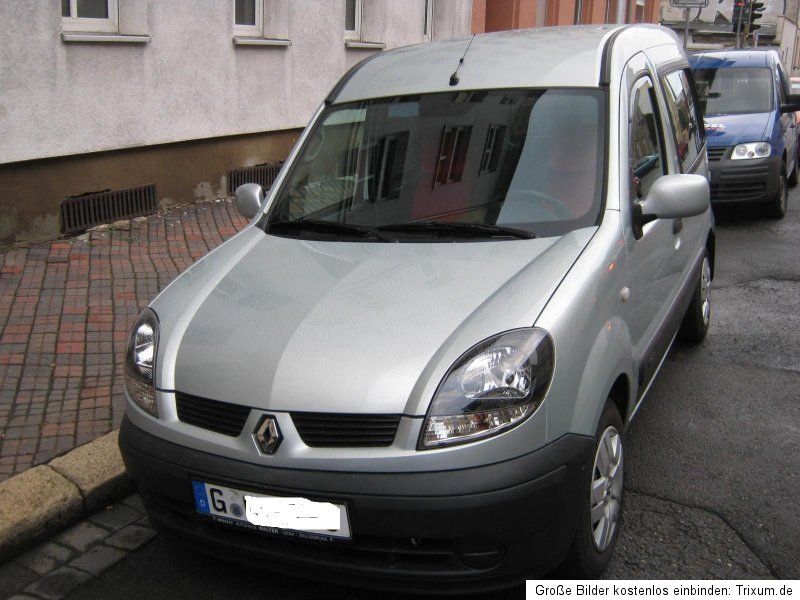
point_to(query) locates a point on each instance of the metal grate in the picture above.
(221, 417)
(716, 153)
(323, 430)
(263, 174)
(87, 210)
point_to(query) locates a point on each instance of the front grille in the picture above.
(263, 174)
(213, 415)
(741, 184)
(716, 153)
(322, 430)
(87, 210)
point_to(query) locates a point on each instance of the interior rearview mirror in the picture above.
(672, 197)
(249, 199)
(792, 103)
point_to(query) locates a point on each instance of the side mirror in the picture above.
(792, 103)
(672, 197)
(249, 199)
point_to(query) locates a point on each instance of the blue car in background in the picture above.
(750, 129)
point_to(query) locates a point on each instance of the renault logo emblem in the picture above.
(267, 435)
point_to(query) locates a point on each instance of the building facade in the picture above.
(112, 94)
(498, 15)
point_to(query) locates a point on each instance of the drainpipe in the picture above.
(622, 11)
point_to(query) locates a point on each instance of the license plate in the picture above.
(293, 517)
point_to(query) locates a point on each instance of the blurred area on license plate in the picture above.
(295, 517)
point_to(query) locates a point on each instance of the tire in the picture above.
(695, 323)
(777, 207)
(587, 558)
(792, 181)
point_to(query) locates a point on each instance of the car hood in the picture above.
(729, 130)
(285, 324)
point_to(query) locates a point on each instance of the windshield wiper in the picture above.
(466, 229)
(330, 227)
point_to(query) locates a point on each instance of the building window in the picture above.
(492, 149)
(89, 15)
(638, 14)
(452, 155)
(248, 17)
(352, 19)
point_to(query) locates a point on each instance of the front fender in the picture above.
(609, 357)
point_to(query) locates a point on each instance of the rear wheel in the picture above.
(695, 323)
(599, 525)
(777, 208)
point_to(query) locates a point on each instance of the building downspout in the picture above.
(622, 11)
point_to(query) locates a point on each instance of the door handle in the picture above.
(677, 226)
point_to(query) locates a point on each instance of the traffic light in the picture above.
(756, 12)
(738, 16)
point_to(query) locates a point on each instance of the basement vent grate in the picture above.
(264, 175)
(78, 213)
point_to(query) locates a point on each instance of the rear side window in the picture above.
(683, 114)
(646, 161)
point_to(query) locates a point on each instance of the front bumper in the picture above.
(448, 531)
(743, 181)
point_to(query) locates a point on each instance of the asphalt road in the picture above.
(712, 458)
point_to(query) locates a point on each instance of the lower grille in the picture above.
(213, 415)
(322, 430)
(740, 184)
(737, 193)
(717, 153)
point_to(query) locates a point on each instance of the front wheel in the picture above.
(599, 525)
(698, 315)
(777, 208)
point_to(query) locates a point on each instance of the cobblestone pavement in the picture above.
(65, 310)
(76, 555)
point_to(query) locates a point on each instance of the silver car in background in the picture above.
(416, 365)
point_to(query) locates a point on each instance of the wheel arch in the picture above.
(608, 374)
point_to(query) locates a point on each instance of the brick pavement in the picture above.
(65, 310)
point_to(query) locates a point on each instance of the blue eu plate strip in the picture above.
(200, 498)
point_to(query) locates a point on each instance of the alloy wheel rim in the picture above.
(705, 289)
(606, 491)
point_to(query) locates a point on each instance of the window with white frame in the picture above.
(352, 19)
(248, 17)
(89, 15)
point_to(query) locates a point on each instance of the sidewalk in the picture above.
(65, 310)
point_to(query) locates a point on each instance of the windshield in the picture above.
(439, 167)
(734, 90)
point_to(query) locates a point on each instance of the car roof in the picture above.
(544, 57)
(733, 58)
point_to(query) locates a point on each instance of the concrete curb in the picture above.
(44, 499)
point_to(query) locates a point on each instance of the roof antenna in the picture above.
(454, 77)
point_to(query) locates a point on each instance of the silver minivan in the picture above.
(417, 364)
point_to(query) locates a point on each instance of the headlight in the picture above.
(751, 150)
(494, 386)
(140, 361)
